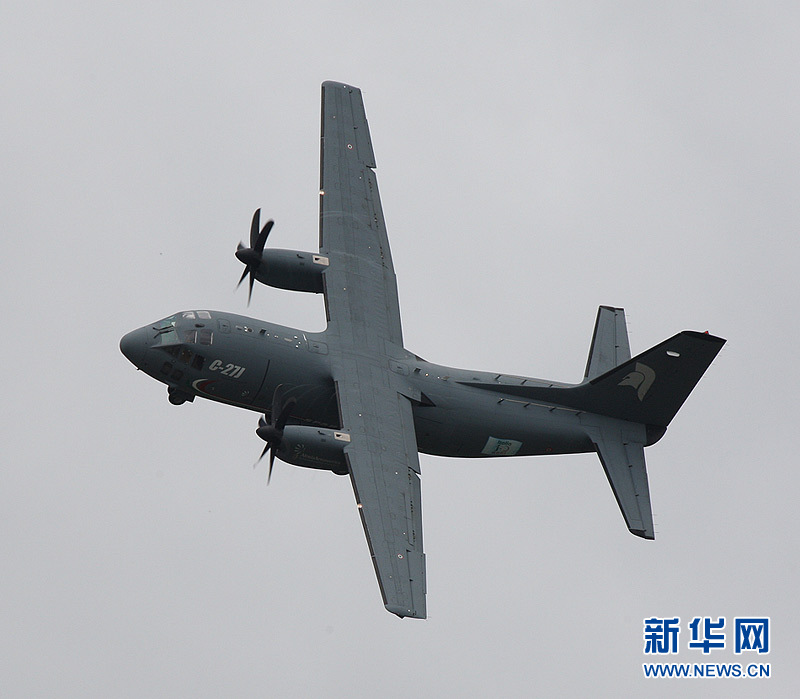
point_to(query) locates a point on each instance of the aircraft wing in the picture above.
(384, 469)
(360, 286)
(364, 327)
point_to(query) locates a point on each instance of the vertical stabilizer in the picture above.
(610, 346)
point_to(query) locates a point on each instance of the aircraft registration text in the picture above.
(231, 370)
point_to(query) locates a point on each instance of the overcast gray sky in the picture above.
(535, 160)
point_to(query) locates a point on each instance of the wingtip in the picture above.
(403, 612)
(643, 534)
(335, 83)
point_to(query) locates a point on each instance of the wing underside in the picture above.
(384, 470)
(360, 285)
(365, 333)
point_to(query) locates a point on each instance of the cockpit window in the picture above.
(165, 333)
(204, 315)
(184, 354)
(188, 315)
(203, 336)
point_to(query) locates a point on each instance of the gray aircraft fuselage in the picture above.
(240, 361)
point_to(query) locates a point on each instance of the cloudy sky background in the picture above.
(535, 160)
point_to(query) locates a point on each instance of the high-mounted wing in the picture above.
(384, 469)
(365, 335)
(361, 291)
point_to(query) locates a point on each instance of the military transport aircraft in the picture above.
(354, 401)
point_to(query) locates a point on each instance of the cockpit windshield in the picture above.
(200, 336)
(200, 315)
(165, 332)
(176, 335)
(186, 330)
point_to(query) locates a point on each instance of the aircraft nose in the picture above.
(133, 346)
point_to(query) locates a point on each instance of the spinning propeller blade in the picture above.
(251, 257)
(271, 431)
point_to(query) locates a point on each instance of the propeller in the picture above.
(251, 256)
(272, 432)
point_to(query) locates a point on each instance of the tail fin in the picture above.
(651, 387)
(659, 380)
(648, 389)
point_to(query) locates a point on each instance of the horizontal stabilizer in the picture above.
(610, 346)
(622, 456)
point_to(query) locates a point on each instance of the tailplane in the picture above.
(620, 446)
(610, 346)
(625, 404)
(633, 401)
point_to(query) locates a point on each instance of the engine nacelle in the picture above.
(314, 447)
(294, 270)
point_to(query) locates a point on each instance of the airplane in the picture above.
(353, 400)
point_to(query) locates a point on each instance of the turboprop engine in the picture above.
(300, 445)
(314, 447)
(294, 270)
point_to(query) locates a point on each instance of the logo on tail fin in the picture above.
(641, 379)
